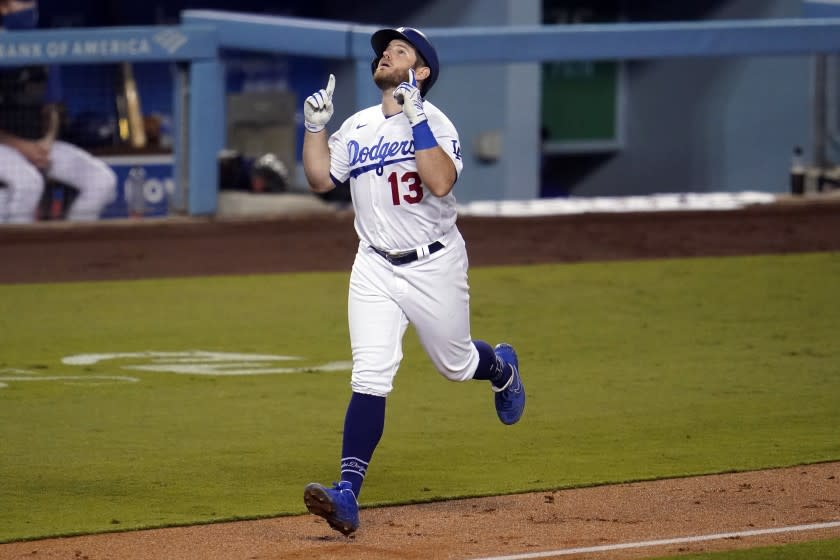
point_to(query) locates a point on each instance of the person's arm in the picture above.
(317, 111)
(316, 161)
(37, 153)
(8, 139)
(436, 169)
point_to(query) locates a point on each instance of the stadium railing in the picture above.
(194, 50)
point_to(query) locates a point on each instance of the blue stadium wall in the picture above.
(691, 125)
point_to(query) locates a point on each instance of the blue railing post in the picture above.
(206, 108)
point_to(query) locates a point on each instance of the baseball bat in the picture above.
(122, 112)
(133, 112)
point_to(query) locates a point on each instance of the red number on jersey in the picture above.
(415, 187)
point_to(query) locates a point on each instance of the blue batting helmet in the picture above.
(379, 41)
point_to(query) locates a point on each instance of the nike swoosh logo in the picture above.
(361, 125)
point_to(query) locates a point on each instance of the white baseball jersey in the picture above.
(396, 212)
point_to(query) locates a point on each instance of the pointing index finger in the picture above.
(412, 79)
(331, 86)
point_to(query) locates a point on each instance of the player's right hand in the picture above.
(318, 108)
(408, 95)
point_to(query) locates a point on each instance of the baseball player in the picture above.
(402, 158)
(29, 151)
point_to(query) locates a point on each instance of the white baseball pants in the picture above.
(94, 179)
(431, 293)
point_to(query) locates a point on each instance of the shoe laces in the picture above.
(342, 491)
(507, 385)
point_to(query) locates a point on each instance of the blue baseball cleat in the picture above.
(510, 399)
(337, 505)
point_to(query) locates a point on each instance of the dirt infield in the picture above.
(125, 249)
(718, 509)
(507, 525)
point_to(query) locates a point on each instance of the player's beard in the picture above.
(389, 78)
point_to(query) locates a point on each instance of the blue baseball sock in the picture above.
(363, 426)
(490, 366)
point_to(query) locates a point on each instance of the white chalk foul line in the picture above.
(664, 542)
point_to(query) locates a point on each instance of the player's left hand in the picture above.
(408, 95)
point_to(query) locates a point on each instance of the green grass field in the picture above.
(634, 370)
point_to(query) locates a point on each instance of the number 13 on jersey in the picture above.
(411, 182)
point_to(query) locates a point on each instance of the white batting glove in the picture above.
(318, 108)
(408, 95)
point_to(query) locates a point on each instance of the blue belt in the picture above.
(406, 257)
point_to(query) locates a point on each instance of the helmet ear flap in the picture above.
(374, 64)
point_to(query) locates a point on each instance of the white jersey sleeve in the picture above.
(446, 135)
(339, 163)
